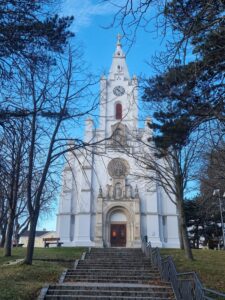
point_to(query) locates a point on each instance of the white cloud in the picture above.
(85, 10)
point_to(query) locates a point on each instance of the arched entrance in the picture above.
(118, 227)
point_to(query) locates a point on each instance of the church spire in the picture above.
(119, 67)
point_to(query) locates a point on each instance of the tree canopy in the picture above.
(28, 29)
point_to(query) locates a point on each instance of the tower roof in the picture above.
(119, 66)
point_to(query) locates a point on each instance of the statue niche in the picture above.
(118, 191)
(109, 191)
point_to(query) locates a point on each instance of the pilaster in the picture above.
(99, 222)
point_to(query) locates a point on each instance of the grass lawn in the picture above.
(208, 264)
(24, 282)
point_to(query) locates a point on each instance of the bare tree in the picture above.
(132, 16)
(55, 94)
(174, 171)
(13, 153)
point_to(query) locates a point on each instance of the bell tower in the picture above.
(119, 95)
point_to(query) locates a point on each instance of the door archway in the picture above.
(118, 228)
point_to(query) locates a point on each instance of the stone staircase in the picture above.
(111, 273)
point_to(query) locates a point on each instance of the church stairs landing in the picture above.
(114, 273)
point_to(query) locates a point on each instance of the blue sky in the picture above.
(99, 45)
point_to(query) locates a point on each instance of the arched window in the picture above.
(118, 111)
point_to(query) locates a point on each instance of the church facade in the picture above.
(107, 199)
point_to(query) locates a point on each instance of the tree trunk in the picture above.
(198, 238)
(3, 235)
(30, 247)
(180, 234)
(9, 235)
(16, 232)
(187, 248)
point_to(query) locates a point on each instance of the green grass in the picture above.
(24, 282)
(208, 264)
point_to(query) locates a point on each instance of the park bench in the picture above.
(52, 241)
(18, 245)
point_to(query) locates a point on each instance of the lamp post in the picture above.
(217, 192)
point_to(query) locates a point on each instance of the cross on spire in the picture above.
(119, 37)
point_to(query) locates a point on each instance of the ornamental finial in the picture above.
(119, 37)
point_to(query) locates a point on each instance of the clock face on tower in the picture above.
(118, 90)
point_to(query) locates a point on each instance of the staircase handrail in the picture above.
(186, 285)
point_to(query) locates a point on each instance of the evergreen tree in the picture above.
(203, 221)
(27, 27)
(28, 31)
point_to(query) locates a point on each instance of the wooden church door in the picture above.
(118, 235)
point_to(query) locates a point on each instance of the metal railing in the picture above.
(186, 286)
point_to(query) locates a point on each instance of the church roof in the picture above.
(37, 234)
(119, 65)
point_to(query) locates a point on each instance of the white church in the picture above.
(104, 202)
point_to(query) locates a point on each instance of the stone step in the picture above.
(121, 276)
(110, 262)
(87, 297)
(121, 270)
(118, 260)
(110, 272)
(140, 259)
(115, 267)
(113, 276)
(109, 291)
(111, 294)
(112, 266)
(116, 249)
(114, 254)
(105, 292)
(116, 263)
(111, 287)
(113, 280)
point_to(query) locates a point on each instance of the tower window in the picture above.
(118, 111)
